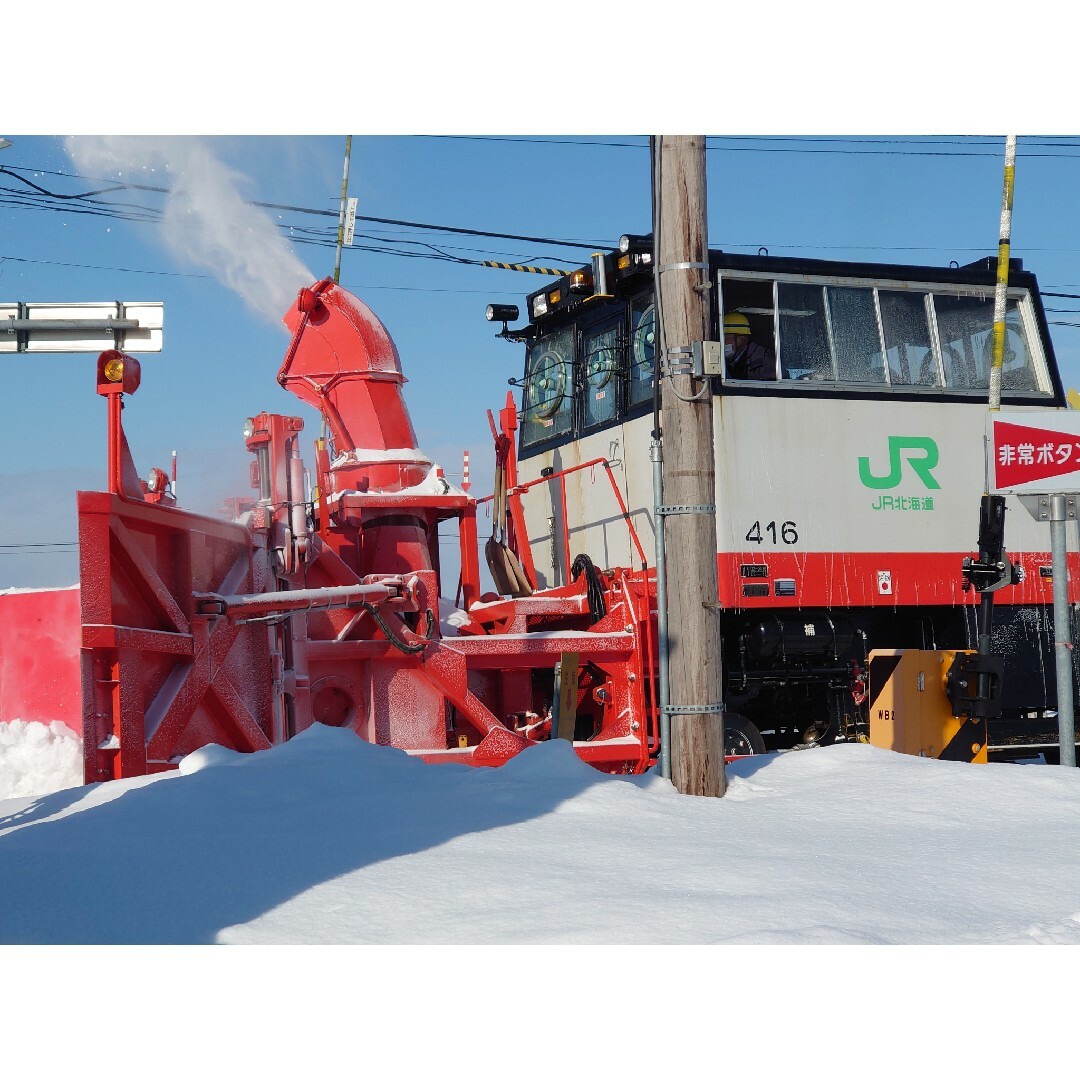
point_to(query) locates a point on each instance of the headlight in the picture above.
(539, 305)
(249, 428)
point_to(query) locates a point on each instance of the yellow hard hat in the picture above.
(735, 322)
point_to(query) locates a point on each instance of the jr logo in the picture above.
(921, 454)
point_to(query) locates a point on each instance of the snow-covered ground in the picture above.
(329, 840)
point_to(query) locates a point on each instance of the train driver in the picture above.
(743, 357)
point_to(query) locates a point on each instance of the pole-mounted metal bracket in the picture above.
(679, 360)
(701, 360)
(692, 710)
(701, 508)
(683, 266)
(1044, 508)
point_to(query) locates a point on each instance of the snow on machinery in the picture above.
(326, 608)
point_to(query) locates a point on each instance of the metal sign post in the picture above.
(1036, 456)
(1062, 509)
(341, 216)
(1058, 509)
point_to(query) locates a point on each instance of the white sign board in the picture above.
(1033, 452)
(350, 221)
(134, 326)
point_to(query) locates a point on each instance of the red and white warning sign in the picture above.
(1035, 453)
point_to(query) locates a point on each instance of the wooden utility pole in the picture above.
(689, 474)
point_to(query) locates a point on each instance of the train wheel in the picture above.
(741, 737)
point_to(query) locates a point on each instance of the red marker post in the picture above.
(1036, 456)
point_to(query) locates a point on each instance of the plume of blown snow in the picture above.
(208, 221)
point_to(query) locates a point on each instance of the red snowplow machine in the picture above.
(320, 601)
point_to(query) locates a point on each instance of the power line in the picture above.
(719, 143)
(311, 236)
(37, 548)
(300, 234)
(327, 213)
(88, 266)
(325, 239)
(169, 273)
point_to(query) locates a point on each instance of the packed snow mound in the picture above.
(207, 757)
(328, 839)
(38, 759)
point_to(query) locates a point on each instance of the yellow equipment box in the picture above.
(910, 710)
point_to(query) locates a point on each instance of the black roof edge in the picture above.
(979, 272)
(989, 265)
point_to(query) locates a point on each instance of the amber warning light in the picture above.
(117, 373)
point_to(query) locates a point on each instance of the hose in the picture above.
(584, 565)
(398, 643)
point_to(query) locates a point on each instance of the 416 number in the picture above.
(787, 532)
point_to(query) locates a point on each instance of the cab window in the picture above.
(906, 329)
(855, 337)
(966, 329)
(644, 343)
(600, 361)
(804, 335)
(909, 336)
(547, 406)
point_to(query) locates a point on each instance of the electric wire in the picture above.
(47, 544)
(90, 266)
(456, 230)
(817, 148)
(93, 206)
(173, 273)
(308, 235)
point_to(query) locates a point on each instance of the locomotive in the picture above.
(849, 464)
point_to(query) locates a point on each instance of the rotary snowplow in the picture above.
(319, 601)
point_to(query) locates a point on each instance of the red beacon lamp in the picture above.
(117, 373)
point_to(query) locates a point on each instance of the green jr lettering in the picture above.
(921, 454)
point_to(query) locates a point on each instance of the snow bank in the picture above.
(331, 840)
(37, 759)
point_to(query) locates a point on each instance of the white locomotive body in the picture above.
(849, 466)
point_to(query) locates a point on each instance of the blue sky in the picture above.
(891, 199)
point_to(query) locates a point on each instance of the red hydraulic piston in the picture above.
(269, 603)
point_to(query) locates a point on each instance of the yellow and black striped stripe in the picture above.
(882, 669)
(526, 269)
(1001, 286)
(968, 743)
